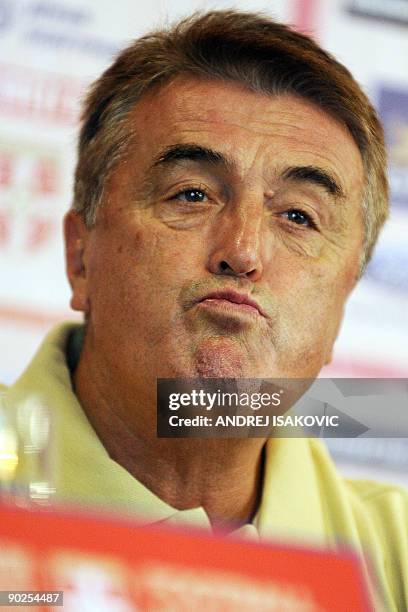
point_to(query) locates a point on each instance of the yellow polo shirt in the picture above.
(304, 500)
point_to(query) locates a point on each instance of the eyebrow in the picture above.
(316, 176)
(193, 152)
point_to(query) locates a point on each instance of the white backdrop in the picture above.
(50, 50)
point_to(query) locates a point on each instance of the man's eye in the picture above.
(191, 195)
(299, 217)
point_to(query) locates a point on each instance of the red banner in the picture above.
(107, 564)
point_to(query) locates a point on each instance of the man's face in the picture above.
(225, 196)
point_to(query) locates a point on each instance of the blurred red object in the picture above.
(105, 563)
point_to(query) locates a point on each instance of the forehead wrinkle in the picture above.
(261, 128)
(273, 128)
(182, 109)
(185, 121)
(262, 120)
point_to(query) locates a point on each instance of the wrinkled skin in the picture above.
(151, 254)
(169, 233)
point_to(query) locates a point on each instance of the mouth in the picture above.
(232, 300)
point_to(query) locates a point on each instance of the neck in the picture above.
(224, 476)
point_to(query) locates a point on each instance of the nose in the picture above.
(237, 246)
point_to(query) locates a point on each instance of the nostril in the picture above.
(224, 266)
(237, 268)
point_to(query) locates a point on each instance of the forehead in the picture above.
(253, 128)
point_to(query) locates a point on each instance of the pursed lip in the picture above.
(234, 297)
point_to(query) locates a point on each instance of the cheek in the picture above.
(135, 272)
(300, 279)
(113, 273)
(169, 258)
(309, 299)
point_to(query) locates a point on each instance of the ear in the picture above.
(76, 239)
